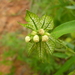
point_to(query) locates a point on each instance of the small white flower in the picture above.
(27, 38)
(36, 38)
(41, 31)
(45, 38)
(33, 33)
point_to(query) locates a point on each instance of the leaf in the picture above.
(60, 55)
(64, 28)
(59, 14)
(70, 7)
(27, 26)
(40, 50)
(32, 19)
(70, 52)
(71, 46)
(29, 47)
(66, 66)
(72, 73)
(49, 45)
(47, 22)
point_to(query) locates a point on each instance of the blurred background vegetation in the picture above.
(13, 57)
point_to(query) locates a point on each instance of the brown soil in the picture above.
(11, 12)
(22, 68)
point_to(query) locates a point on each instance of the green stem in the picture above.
(40, 49)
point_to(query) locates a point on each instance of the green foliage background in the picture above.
(62, 11)
(59, 64)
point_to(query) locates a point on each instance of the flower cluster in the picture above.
(39, 41)
(37, 36)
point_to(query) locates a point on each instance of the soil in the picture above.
(11, 12)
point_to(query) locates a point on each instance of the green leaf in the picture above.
(71, 46)
(70, 7)
(40, 50)
(60, 55)
(72, 73)
(47, 22)
(27, 26)
(49, 45)
(32, 19)
(30, 47)
(64, 28)
(66, 66)
(69, 52)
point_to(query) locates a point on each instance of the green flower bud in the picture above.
(45, 38)
(36, 38)
(41, 31)
(47, 34)
(33, 33)
(27, 38)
